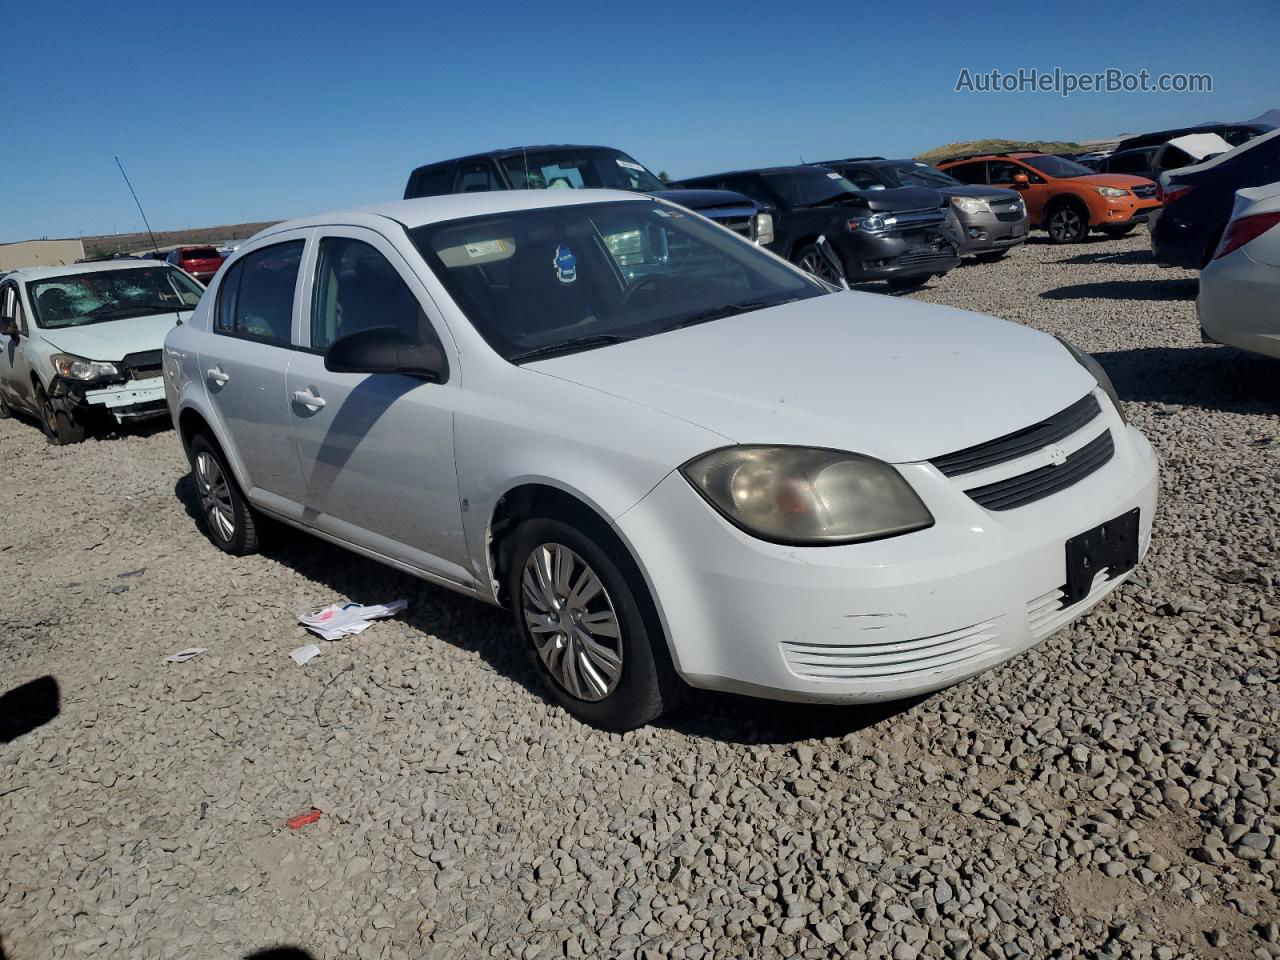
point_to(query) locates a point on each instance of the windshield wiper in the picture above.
(727, 310)
(573, 345)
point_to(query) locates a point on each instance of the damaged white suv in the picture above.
(81, 345)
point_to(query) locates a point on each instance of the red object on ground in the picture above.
(302, 819)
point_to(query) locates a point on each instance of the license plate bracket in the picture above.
(1112, 546)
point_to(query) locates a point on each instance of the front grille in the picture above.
(1145, 192)
(869, 661)
(144, 365)
(740, 225)
(1045, 481)
(1009, 214)
(1021, 442)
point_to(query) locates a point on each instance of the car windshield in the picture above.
(1058, 166)
(79, 299)
(809, 188)
(918, 175)
(579, 169)
(573, 277)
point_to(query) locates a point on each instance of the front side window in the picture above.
(578, 169)
(358, 289)
(11, 306)
(80, 299)
(1052, 166)
(255, 299)
(557, 279)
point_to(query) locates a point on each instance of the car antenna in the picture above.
(155, 247)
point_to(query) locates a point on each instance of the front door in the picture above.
(245, 360)
(376, 450)
(15, 366)
(1001, 173)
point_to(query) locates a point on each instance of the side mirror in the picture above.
(8, 327)
(386, 350)
(1021, 179)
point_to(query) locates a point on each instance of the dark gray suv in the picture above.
(989, 221)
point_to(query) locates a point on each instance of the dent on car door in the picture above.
(244, 362)
(375, 450)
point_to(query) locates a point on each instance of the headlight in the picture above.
(970, 205)
(1112, 191)
(808, 496)
(77, 368)
(871, 224)
(764, 228)
(1095, 368)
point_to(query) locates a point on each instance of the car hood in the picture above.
(980, 193)
(891, 378)
(704, 200)
(114, 339)
(900, 198)
(1124, 180)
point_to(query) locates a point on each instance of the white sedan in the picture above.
(679, 461)
(1240, 286)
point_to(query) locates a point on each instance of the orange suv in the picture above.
(1062, 196)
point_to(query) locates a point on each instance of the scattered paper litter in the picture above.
(337, 620)
(304, 653)
(182, 656)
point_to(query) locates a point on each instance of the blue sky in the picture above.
(264, 110)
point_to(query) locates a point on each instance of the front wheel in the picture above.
(60, 427)
(1067, 224)
(228, 519)
(584, 613)
(810, 258)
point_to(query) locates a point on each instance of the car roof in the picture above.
(509, 151)
(74, 269)
(796, 168)
(1014, 155)
(452, 206)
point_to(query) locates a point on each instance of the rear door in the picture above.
(245, 360)
(375, 450)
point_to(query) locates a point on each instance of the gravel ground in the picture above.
(1111, 793)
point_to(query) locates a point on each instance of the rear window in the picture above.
(201, 253)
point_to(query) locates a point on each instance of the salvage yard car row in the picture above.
(595, 408)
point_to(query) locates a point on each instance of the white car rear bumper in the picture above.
(882, 620)
(1237, 303)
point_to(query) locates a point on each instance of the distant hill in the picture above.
(1271, 117)
(999, 146)
(104, 246)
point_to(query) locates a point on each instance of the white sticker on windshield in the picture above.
(833, 176)
(628, 164)
(485, 248)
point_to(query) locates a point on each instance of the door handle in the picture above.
(308, 399)
(216, 375)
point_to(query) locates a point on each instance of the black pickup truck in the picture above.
(901, 235)
(570, 166)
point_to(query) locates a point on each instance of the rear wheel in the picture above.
(228, 519)
(810, 258)
(1067, 224)
(585, 615)
(60, 427)
(1115, 233)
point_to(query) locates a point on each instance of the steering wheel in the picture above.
(647, 282)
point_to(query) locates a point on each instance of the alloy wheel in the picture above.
(572, 622)
(1065, 224)
(814, 262)
(215, 497)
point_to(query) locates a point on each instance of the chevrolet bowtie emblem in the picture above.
(1055, 455)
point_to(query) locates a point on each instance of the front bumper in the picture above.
(886, 256)
(129, 400)
(1126, 212)
(876, 621)
(985, 232)
(1236, 304)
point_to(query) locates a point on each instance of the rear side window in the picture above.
(432, 182)
(358, 289)
(969, 172)
(255, 299)
(477, 178)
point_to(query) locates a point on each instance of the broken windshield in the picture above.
(75, 300)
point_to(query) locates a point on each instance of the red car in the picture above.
(201, 262)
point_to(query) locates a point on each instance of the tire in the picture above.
(1066, 224)
(4, 410)
(810, 259)
(903, 284)
(225, 515)
(566, 587)
(60, 427)
(991, 256)
(1115, 233)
